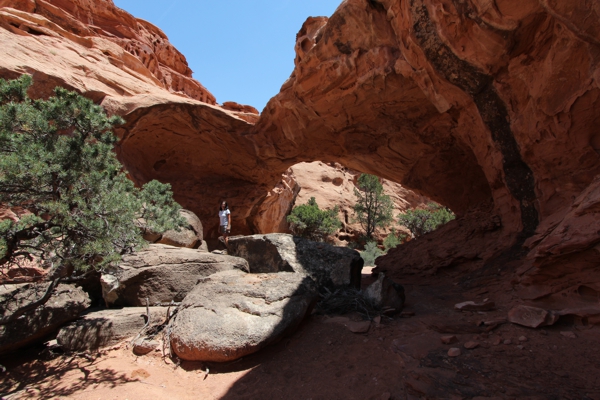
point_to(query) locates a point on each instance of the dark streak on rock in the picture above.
(374, 4)
(344, 48)
(518, 176)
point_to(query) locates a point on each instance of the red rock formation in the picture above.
(490, 108)
(89, 23)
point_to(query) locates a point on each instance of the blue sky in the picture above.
(240, 50)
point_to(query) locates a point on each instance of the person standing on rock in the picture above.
(224, 221)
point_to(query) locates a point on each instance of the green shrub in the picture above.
(309, 221)
(420, 222)
(57, 162)
(393, 239)
(370, 253)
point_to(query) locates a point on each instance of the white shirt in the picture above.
(223, 217)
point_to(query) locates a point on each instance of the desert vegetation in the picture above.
(76, 207)
(373, 208)
(422, 221)
(309, 221)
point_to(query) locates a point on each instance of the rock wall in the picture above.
(490, 108)
(91, 23)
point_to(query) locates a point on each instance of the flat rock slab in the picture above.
(231, 314)
(531, 317)
(327, 265)
(358, 326)
(103, 328)
(162, 274)
(66, 304)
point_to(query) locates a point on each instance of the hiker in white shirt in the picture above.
(224, 221)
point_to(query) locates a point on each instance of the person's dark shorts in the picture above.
(224, 229)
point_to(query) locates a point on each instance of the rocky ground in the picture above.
(399, 358)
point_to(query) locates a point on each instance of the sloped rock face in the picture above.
(488, 108)
(144, 49)
(65, 304)
(232, 314)
(333, 185)
(161, 274)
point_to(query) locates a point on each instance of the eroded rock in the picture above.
(98, 329)
(190, 237)
(455, 100)
(531, 317)
(231, 314)
(327, 265)
(161, 274)
(386, 294)
(66, 304)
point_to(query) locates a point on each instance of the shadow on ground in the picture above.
(24, 374)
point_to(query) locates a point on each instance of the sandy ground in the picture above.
(401, 358)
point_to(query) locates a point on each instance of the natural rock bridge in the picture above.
(490, 108)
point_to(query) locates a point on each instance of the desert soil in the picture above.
(401, 358)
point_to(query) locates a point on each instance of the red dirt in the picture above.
(403, 358)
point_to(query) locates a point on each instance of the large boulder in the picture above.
(103, 328)
(232, 314)
(190, 236)
(386, 294)
(66, 303)
(328, 265)
(161, 274)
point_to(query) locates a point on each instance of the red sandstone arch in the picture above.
(492, 109)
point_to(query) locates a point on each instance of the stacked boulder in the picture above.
(160, 273)
(227, 306)
(232, 314)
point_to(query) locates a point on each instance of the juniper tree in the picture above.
(57, 165)
(373, 208)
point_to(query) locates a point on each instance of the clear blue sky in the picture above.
(240, 50)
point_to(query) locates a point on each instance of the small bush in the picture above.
(370, 253)
(393, 239)
(309, 221)
(420, 222)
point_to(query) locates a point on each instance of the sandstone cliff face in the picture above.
(490, 108)
(144, 52)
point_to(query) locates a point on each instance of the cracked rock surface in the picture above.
(231, 314)
(162, 274)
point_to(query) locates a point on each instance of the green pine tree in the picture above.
(373, 208)
(57, 164)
